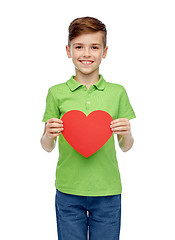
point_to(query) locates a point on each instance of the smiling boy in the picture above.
(88, 191)
(87, 51)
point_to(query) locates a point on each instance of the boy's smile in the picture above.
(87, 51)
(86, 62)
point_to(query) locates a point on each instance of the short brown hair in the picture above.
(86, 25)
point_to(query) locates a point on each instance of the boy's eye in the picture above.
(78, 47)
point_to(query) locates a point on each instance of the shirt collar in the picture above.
(73, 84)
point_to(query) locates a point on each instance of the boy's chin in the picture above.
(85, 72)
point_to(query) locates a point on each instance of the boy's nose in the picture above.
(86, 52)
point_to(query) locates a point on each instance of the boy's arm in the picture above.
(125, 142)
(48, 144)
(122, 128)
(52, 130)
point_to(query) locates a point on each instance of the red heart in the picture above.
(86, 134)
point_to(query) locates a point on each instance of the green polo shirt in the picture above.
(97, 175)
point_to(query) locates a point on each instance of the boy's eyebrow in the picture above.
(91, 44)
(96, 44)
(77, 44)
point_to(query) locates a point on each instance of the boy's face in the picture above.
(87, 51)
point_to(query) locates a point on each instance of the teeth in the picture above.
(86, 62)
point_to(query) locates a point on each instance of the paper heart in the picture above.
(86, 134)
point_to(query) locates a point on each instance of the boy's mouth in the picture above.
(86, 62)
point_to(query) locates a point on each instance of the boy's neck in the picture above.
(87, 79)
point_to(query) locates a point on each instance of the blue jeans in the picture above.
(87, 218)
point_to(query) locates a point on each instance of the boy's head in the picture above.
(86, 25)
(87, 44)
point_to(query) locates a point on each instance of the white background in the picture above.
(141, 57)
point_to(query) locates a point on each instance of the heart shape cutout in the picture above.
(86, 134)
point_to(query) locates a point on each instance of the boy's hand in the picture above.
(54, 127)
(121, 126)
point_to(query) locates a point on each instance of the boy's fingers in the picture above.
(123, 119)
(118, 124)
(119, 120)
(122, 128)
(52, 130)
(57, 120)
(55, 125)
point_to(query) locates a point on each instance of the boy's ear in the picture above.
(68, 51)
(105, 52)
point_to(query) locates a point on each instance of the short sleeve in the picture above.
(51, 109)
(125, 108)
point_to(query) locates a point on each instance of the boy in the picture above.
(88, 190)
